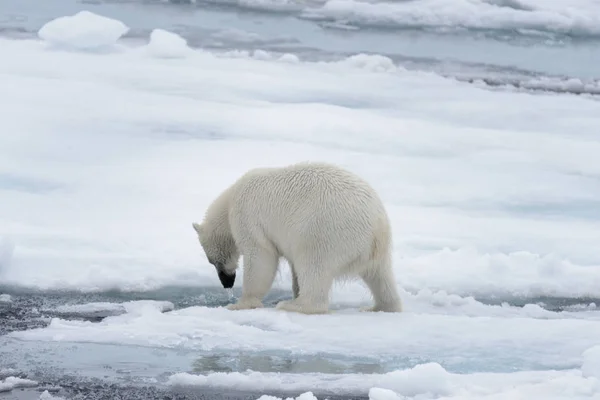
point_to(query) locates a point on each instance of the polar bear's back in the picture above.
(308, 206)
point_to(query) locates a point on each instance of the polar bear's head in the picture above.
(221, 251)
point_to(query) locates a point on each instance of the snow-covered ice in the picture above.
(83, 31)
(6, 252)
(479, 187)
(165, 44)
(579, 18)
(424, 381)
(459, 341)
(591, 362)
(492, 196)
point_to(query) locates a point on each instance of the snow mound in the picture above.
(591, 362)
(165, 44)
(5, 298)
(370, 62)
(430, 378)
(47, 396)
(83, 31)
(382, 394)
(13, 382)
(303, 396)
(289, 58)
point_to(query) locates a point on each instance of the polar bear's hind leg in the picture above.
(382, 286)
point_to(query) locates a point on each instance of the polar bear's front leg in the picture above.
(260, 268)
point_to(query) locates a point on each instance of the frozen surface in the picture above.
(460, 341)
(423, 381)
(5, 298)
(84, 30)
(591, 362)
(117, 153)
(165, 44)
(480, 185)
(577, 17)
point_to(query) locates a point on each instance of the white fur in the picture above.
(326, 222)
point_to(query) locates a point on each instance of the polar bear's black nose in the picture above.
(226, 280)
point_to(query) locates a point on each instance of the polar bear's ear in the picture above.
(197, 228)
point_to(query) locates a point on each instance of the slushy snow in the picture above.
(83, 31)
(165, 44)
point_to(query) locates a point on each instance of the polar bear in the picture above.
(325, 221)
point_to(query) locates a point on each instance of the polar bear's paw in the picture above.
(389, 308)
(245, 305)
(299, 307)
(368, 309)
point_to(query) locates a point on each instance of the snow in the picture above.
(118, 153)
(429, 379)
(578, 17)
(424, 381)
(479, 188)
(6, 251)
(383, 394)
(303, 396)
(591, 362)
(165, 44)
(47, 396)
(5, 298)
(13, 382)
(83, 31)
(6, 372)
